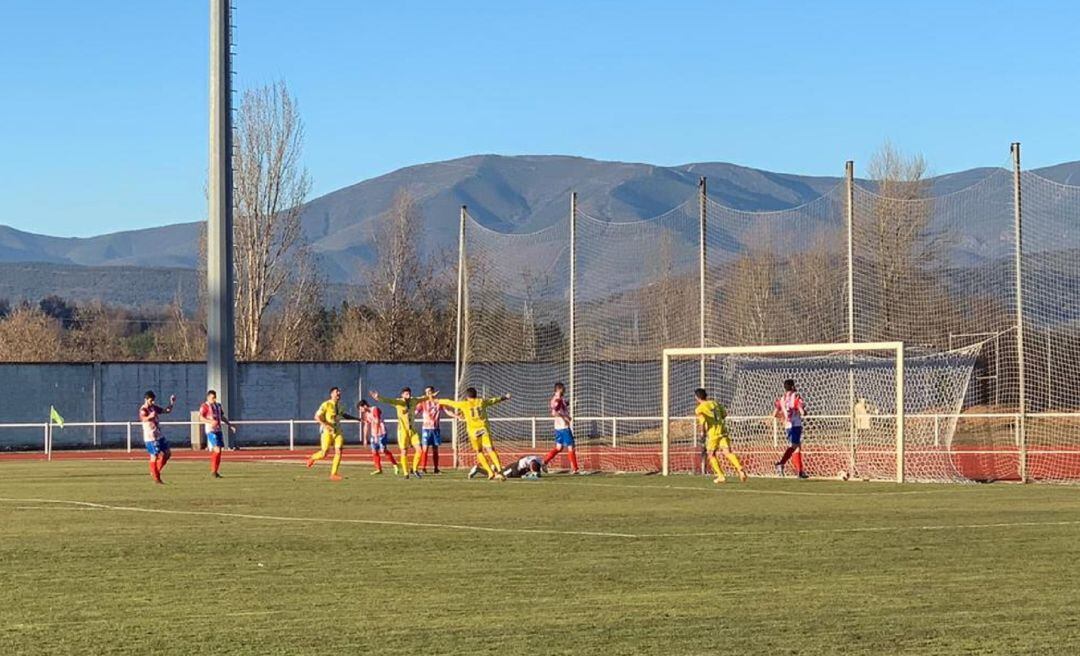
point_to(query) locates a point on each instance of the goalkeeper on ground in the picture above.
(711, 417)
(529, 468)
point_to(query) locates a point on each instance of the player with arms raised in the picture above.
(156, 444)
(564, 435)
(430, 431)
(712, 417)
(373, 431)
(329, 416)
(474, 411)
(406, 434)
(791, 409)
(213, 416)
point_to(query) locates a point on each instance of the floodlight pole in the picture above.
(1019, 252)
(460, 314)
(220, 323)
(849, 179)
(703, 216)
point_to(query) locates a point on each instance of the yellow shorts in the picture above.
(327, 439)
(714, 442)
(480, 439)
(407, 437)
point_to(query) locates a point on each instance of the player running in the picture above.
(712, 417)
(373, 431)
(406, 434)
(564, 435)
(156, 444)
(791, 409)
(430, 434)
(329, 416)
(213, 416)
(474, 411)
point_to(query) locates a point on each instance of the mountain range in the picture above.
(504, 193)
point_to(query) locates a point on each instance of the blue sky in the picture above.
(103, 112)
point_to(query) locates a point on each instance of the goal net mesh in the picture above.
(851, 422)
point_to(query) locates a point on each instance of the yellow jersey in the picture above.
(405, 408)
(475, 412)
(712, 416)
(330, 412)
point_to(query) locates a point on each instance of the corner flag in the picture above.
(55, 418)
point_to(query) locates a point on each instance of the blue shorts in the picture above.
(564, 437)
(380, 443)
(430, 437)
(160, 445)
(215, 440)
(794, 435)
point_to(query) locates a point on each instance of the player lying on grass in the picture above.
(213, 416)
(329, 416)
(430, 434)
(156, 444)
(373, 432)
(529, 468)
(406, 434)
(474, 411)
(790, 409)
(564, 435)
(712, 418)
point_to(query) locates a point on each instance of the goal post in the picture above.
(894, 350)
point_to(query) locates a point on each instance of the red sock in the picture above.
(378, 461)
(154, 473)
(215, 461)
(161, 460)
(787, 455)
(393, 461)
(551, 455)
(573, 460)
(796, 460)
(423, 460)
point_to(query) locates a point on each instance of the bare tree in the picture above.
(181, 338)
(28, 335)
(271, 186)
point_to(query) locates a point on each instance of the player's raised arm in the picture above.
(169, 408)
(487, 403)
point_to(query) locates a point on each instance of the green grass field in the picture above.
(274, 559)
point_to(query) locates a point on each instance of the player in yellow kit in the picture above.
(474, 411)
(711, 417)
(406, 433)
(329, 416)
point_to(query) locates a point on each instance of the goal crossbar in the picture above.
(896, 348)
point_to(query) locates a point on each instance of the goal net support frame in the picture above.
(895, 348)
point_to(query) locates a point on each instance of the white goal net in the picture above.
(873, 411)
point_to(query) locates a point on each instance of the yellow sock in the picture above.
(734, 460)
(495, 459)
(416, 459)
(403, 458)
(482, 461)
(715, 464)
(335, 463)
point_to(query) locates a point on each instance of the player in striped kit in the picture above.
(564, 435)
(429, 410)
(373, 431)
(213, 416)
(156, 444)
(791, 409)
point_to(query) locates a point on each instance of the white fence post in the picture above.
(128, 436)
(937, 430)
(48, 446)
(614, 432)
(532, 421)
(292, 435)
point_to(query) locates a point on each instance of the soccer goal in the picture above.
(873, 411)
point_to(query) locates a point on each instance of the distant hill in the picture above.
(509, 194)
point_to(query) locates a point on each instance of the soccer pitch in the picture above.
(275, 559)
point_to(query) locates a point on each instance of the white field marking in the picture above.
(867, 529)
(734, 487)
(324, 520)
(54, 508)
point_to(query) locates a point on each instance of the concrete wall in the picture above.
(113, 392)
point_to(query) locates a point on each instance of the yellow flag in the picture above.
(55, 417)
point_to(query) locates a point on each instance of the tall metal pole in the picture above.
(703, 195)
(573, 292)
(460, 314)
(1019, 251)
(220, 324)
(849, 211)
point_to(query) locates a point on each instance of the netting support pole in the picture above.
(900, 413)
(573, 296)
(703, 216)
(1019, 252)
(665, 399)
(458, 336)
(849, 177)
